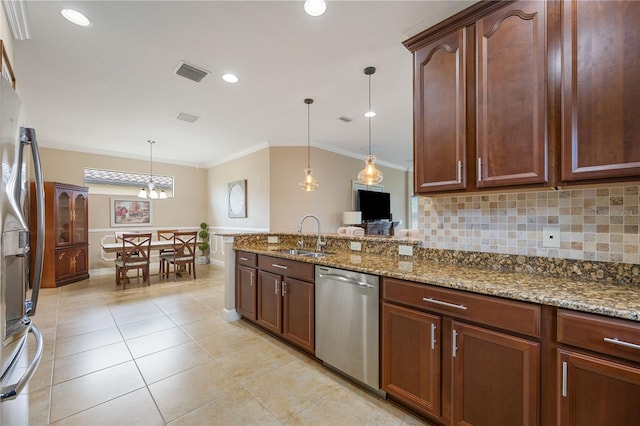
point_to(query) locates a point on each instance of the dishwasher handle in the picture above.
(346, 280)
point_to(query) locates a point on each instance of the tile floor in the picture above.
(163, 355)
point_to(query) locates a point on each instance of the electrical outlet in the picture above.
(355, 245)
(405, 250)
(551, 237)
(405, 266)
(272, 239)
(355, 259)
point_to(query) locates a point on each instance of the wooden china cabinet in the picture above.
(66, 243)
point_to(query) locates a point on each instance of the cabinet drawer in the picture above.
(601, 334)
(518, 317)
(287, 267)
(246, 258)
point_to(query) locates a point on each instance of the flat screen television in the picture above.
(374, 205)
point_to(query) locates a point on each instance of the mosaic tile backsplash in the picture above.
(595, 223)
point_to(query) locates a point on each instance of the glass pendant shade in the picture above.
(370, 175)
(308, 183)
(142, 193)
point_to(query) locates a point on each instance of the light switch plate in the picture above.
(405, 250)
(355, 245)
(272, 239)
(551, 237)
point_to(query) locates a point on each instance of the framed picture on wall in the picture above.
(131, 212)
(237, 198)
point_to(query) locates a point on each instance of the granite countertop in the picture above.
(605, 298)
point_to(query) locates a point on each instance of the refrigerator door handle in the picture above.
(11, 392)
(28, 137)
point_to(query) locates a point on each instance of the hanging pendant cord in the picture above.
(308, 135)
(369, 114)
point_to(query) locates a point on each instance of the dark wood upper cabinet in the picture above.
(480, 99)
(440, 114)
(511, 90)
(600, 89)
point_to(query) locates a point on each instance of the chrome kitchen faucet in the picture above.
(319, 243)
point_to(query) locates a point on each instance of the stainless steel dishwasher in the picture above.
(347, 323)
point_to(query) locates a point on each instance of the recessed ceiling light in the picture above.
(76, 17)
(315, 7)
(230, 78)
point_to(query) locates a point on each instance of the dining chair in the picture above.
(135, 252)
(184, 253)
(164, 235)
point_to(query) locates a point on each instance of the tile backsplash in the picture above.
(595, 223)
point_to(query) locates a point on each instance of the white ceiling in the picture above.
(108, 88)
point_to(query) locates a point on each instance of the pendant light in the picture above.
(370, 175)
(308, 183)
(150, 190)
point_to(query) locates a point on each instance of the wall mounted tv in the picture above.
(374, 205)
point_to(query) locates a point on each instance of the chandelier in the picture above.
(150, 190)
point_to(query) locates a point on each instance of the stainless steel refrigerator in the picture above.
(18, 299)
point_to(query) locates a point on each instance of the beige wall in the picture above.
(254, 168)
(334, 173)
(186, 210)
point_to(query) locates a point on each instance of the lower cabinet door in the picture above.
(596, 392)
(269, 313)
(65, 259)
(411, 356)
(81, 261)
(299, 315)
(246, 292)
(495, 378)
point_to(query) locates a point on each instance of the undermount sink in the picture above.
(305, 253)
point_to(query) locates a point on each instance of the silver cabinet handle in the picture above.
(11, 392)
(447, 304)
(284, 288)
(564, 378)
(433, 336)
(275, 265)
(455, 343)
(616, 341)
(479, 169)
(251, 279)
(244, 258)
(459, 171)
(277, 284)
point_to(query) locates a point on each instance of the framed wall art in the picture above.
(131, 212)
(237, 198)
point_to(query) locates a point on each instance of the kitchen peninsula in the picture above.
(505, 330)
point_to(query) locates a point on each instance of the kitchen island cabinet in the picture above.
(285, 300)
(246, 285)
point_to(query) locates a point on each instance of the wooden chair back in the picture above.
(184, 252)
(165, 234)
(136, 247)
(135, 254)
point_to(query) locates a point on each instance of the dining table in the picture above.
(155, 245)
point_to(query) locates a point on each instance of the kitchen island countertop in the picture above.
(605, 298)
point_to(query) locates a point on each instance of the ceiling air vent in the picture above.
(189, 118)
(345, 119)
(191, 72)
